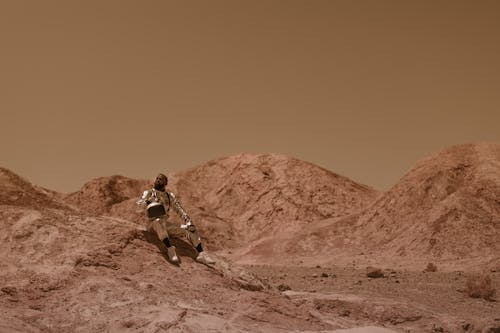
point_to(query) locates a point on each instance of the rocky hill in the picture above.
(84, 263)
(17, 191)
(236, 200)
(100, 196)
(241, 198)
(447, 207)
(63, 270)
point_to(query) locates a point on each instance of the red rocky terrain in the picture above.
(446, 209)
(240, 199)
(292, 243)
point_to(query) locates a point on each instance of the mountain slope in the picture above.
(238, 199)
(98, 196)
(17, 191)
(241, 198)
(66, 271)
(447, 207)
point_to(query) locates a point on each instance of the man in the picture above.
(158, 202)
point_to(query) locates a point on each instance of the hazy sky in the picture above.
(363, 88)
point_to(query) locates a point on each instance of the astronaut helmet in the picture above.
(160, 182)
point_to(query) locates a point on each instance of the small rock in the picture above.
(480, 286)
(284, 287)
(37, 307)
(128, 323)
(431, 268)
(373, 272)
(466, 326)
(318, 266)
(324, 274)
(437, 329)
(345, 313)
(315, 275)
(145, 286)
(11, 291)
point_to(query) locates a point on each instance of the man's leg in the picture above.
(195, 239)
(160, 228)
(192, 235)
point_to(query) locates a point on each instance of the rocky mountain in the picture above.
(83, 262)
(447, 207)
(237, 199)
(17, 191)
(66, 270)
(100, 196)
(242, 198)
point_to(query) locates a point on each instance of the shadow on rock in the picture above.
(183, 248)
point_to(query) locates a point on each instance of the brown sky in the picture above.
(363, 88)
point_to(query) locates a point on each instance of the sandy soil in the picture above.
(404, 300)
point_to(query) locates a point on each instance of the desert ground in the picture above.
(298, 249)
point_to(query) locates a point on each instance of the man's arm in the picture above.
(144, 200)
(179, 210)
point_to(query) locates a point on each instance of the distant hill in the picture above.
(446, 207)
(104, 194)
(17, 191)
(237, 199)
(241, 198)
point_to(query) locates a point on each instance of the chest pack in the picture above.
(156, 208)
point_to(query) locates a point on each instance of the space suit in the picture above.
(158, 202)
